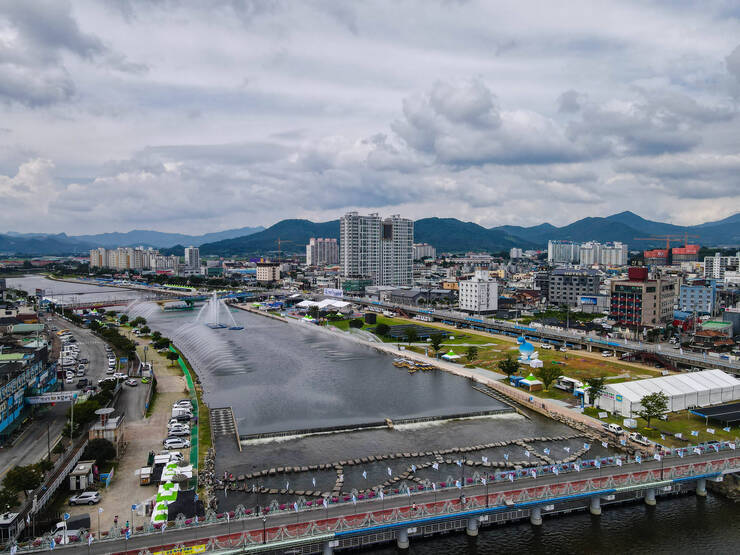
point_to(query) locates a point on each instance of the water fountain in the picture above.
(211, 313)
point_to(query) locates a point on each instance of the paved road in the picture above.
(347, 509)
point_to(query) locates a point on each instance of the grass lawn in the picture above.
(682, 422)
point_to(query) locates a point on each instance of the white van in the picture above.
(615, 429)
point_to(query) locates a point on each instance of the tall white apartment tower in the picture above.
(321, 251)
(192, 258)
(375, 249)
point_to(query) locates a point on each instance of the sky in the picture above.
(194, 116)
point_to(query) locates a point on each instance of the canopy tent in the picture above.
(451, 355)
(695, 389)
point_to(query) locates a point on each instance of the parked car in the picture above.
(176, 443)
(639, 438)
(80, 372)
(615, 429)
(546, 346)
(607, 354)
(145, 380)
(132, 382)
(178, 432)
(563, 349)
(85, 498)
(84, 361)
(120, 376)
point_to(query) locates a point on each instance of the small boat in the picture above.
(215, 326)
(236, 328)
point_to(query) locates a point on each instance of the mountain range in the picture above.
(452, 235)
(56, 244)
(445, 234)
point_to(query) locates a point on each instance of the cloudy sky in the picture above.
(167, 115)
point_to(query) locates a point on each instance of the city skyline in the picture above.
(494, 116)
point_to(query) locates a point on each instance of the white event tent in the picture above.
(695, 389)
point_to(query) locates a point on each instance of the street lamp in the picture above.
(264, 529)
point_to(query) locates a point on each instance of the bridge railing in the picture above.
(317, 519)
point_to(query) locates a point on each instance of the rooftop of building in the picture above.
(575, 272)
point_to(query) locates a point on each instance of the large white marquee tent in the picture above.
(695, 389)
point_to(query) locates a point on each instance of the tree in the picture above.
(161, 343)
(356, 323)
(138, 321)
(172, 357)
(508, 365)
(411, 335)
(8, 498)
(382, 329)
(22, 478)
(313, 312)
(654, 405)
(472, 353)
(145, 330)
(596, 387)
(156, 336)
(548, 374)
(436, 342)
(101, 450)
(84, 412)
(123, 319)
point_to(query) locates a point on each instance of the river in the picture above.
(281, 376)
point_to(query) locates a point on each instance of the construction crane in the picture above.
(668, 239)
(280, 246)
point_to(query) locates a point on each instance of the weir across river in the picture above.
(402, 515)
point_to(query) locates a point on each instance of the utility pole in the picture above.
(48, 440)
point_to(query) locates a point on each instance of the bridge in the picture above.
(556, 336)
(400, 515)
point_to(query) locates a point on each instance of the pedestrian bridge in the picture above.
(400, 515)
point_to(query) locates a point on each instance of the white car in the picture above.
(176, 443)
(120, 376)
(85, 498)
(563, 350)
(546, 346)
(607, 354)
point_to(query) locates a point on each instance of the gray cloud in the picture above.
(212, 115)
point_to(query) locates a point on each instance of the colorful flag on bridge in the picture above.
(511, 476)
(604, 444)
(325, 502)
(732, 446)
(526, 453)
(506, 456)
(458, 462)
(657, 456)
(727, 429)
(618, 461)
(710, 430)
(390, 472)
(435, 466)
(694, 432)
(546, 450)
(484, 459)
(587, 446)
(458, 485)
(364, 474)
(638, 459)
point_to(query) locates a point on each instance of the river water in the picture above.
(279, 376)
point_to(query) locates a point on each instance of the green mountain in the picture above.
(445, 234)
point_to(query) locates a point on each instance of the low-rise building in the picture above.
(268, 272)
(640, 301)
(478, 294)
(698, 296)
(567, 285)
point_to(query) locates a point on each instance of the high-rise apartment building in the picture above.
(716, 266)
(614, 254)
(192, 258)
(478, 294)
(589, 253)
(322, 251)
(563, 252)
(375, 249)
(424, 250)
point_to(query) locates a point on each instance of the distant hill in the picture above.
(293, 234)
(452, 235)
(37, 245)
(446, 234)
(627, 227)
(159, 239)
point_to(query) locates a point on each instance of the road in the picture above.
(348, 509)
(32, 447)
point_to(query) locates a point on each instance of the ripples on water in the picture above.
(280, 376)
